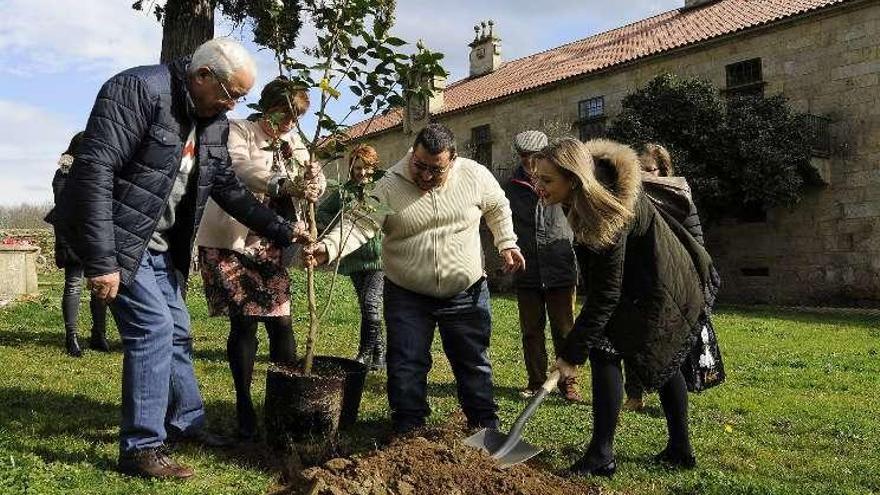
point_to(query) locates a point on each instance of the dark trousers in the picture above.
(73, 281)
(535, 306)
(465, 323)
(632, 385)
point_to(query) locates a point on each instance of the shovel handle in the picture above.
(551, 382)
(516, 430)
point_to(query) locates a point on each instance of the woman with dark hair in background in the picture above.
(73, 270)
(644, 292)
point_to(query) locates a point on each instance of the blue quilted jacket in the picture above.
(126, 166)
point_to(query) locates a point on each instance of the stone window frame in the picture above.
(591, 118)
(481, 144)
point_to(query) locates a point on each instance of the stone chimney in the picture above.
(418, 112)
(690, 4)
(485, 49)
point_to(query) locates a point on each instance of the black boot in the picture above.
(70, 308)
(72, 344)
(98, 340)
(365, 348)
(378, 352)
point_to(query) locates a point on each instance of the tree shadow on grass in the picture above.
(16, 337)
(448, 389)
(50, 419)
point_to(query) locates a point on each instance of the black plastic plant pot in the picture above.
(353, 389)
(302, 412)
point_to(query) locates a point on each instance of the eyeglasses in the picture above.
(434, 171)
(229, 97)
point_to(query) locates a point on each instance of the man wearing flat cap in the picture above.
(546, 288)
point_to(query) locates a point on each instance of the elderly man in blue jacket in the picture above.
(153, 152)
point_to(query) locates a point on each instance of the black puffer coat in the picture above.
(64, 255)
(543, 237)
(126, 166)
(644, 293)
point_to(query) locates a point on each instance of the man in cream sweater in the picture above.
(434, 272)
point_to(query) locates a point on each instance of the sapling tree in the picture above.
(354, 55)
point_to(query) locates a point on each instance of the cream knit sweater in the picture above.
(432, 239)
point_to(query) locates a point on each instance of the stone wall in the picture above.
(826, 250)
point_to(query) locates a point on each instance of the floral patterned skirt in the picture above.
(256, 284)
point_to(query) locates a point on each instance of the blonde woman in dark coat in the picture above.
(643, 292)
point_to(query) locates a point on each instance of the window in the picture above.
(591, 118)
(820, 135)
(481, 142)
(752, 213)
(745, 78)
(592, 108)
(755, 272)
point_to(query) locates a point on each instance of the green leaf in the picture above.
(395, 41)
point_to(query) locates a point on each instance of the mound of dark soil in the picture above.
(431, 462)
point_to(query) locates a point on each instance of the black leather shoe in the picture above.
(152, 463)
(675, 459)
(585, 467)
(71, 343)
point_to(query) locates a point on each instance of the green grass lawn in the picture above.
(799, 414)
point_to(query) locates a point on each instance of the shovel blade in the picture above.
(522, 452)
(487, 439)
(490, 441)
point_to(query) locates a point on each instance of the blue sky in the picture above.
(55, 54)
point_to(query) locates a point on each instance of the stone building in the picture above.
(823, 55)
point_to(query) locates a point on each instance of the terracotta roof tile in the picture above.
(663, 32)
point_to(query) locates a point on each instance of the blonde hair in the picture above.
(596, 215)
(365, 153)
(661, 157)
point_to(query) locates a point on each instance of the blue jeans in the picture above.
(159, 387)
(465, 323)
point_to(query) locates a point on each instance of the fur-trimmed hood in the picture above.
(618, 169)
(611, 191)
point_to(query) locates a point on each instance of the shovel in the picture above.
(511, 449)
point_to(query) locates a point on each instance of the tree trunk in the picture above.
(310, 288)
(186, 25)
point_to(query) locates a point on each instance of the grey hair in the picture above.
(224, 56)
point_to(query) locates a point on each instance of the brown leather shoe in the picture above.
(634, 404)
(152, 463)
(570, 390)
